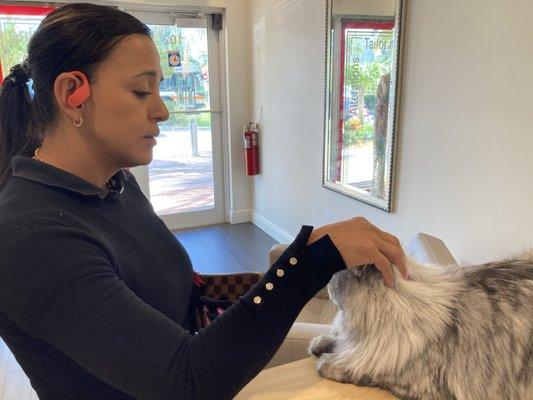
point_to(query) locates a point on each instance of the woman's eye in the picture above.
(141, 94)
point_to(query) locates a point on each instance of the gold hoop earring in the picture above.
(77, 124)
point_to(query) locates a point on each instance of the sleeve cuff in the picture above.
(325, 254)
(300, 272)
(325, 260)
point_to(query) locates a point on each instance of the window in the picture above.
(17, 24)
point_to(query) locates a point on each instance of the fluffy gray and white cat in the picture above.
(450, 333)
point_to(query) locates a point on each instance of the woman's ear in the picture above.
(70, 91)
(80, 93)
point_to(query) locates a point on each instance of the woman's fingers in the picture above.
(390, 238)
(395, 254)
(360, 242)
(385, 267)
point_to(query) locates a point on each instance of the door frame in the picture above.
(219, 119)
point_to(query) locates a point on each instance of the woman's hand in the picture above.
(360, 242)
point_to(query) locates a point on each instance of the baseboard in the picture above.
(270, 228)
(238, 217)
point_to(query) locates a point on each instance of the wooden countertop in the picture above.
(300, 381)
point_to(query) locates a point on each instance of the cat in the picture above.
(449, 333)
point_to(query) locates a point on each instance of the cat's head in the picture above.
(354, 284)
(365, 302)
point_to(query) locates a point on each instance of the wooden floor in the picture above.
(215, 248)
(227, 247)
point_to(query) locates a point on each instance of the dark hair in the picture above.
(74, 37)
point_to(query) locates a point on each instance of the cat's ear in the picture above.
(358, 271)
(524, 255)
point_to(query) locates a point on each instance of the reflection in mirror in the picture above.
(362, 75)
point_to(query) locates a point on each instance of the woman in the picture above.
(94, 289)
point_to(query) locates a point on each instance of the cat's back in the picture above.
(509, 281)
(494, 323)
(498, 296)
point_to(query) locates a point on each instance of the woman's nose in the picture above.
(160, 112)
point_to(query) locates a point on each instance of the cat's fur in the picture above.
(450, 333)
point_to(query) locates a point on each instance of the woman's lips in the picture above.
(152, 139)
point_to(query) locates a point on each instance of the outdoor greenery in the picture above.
(184, 120)
(13, 44)
(357, 133)
(362, 76)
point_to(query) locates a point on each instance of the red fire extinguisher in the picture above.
(251, 148)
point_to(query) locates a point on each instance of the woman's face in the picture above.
(121, 116)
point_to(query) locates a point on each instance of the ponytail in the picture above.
(16, 133)
(73, 37)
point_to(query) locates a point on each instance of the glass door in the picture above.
(184, 182)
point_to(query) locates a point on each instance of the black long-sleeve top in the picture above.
(94, 293)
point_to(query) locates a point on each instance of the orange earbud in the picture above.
(80, 94)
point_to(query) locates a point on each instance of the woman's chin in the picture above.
(148, 152)
(139, 159)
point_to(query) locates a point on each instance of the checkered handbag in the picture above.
(213, 294)
(229, 286)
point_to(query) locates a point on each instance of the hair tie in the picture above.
(20, 74)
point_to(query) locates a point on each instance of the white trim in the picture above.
(238, 217)
(158, 7)
(270, 228)
(190, 22)
(192, 219)
(225, 125)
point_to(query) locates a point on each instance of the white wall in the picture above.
(464, 160)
